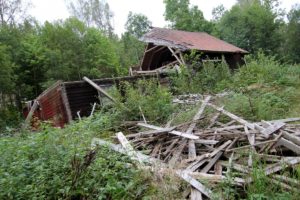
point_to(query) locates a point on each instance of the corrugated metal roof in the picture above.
(189, 40)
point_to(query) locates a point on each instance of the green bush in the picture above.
(147, 97)
(9, 118)
(207, 78)
(266, 71)
(257, 105)
(58, 164)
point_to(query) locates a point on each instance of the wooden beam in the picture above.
(30, 114)
(66, 102)
(192, 146)
(211, 163)
(232, 116)
(174, 54)
(178, 133)
(196, 184)
(130, 151)
(97, 87)
(290, 145)
(273, 128)
(151, 49)
(144, 158)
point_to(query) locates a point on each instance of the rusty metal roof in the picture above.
(189, 40)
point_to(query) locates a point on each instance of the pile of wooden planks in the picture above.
(207, 149)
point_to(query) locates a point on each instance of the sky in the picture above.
(51, 10)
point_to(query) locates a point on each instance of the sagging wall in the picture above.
(53, 105)
(60, 103)
(82, 96)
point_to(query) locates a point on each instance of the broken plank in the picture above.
(31, 112)
(232, 116)
(250, 146)
(220, 148)
(218, 168)
(170, 147)
(195, 194)
(211, 163)
(279, 166)
(150, 132)
(178, 133)
(291, 137)
(214, 177)
(196, 184)
(192, 146)
(288, 144)
(118, 148)
(98, 88)
(178, 152)
(126, 145)
(271, 129)
(209, 142)
(174, 54)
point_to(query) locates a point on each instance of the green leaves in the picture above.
(185, 17)
(252, 26)
(41, 166)
(148, 96)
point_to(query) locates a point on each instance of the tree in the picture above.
(132, 49)
(137, 24)
(184, 17)
(6, 71)
(75, 50)
(95, 13)
(252, 25)
(12, 10)
(293, 35)
(218, 12)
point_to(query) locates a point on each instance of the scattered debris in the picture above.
(203, 151)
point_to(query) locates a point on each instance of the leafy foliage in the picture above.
(137, 24)
(6, 70)
(292, 35)
(252, 25)
(9, 119)
(57, 163)
(147, 98)
(261, 89)
(207, 77)
(184, 17)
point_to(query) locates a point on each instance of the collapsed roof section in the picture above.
(165, 46)
(184, 40)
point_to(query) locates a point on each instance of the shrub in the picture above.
(9, 118)
(208, 77)
(58, 164)
(148, 97)
(266, 71)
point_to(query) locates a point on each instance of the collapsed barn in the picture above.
(65, 101)
(166, 48)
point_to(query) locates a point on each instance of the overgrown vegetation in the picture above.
(261, 89)
(59, 164)
(148, 99)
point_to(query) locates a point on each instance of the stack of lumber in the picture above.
(206, 150)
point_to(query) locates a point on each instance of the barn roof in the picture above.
(189, 40)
